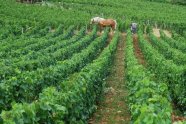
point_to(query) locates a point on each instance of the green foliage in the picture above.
(166, 71)
(180, 2)
(51, 74)
(148, 100)
(163, 47)
(177, 43)
(79, 12)
(74, 103)
(27, 85)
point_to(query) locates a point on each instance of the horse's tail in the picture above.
(115, 25)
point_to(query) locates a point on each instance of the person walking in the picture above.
(133, 28)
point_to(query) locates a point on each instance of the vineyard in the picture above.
(57, 68)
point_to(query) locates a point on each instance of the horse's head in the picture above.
(96, 20)
(92, 21)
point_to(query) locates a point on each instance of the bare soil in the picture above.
(137, 50)
(113, 109)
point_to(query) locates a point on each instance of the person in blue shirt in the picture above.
(133, 28)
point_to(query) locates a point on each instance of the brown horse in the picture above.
(108, 23)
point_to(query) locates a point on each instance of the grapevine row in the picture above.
(74, 103)
(177, 56)
(166, 71)
(148, 100)
(30, 84)
(174, 43)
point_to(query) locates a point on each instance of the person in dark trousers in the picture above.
(133, 28)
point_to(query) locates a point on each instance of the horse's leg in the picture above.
(100, 28)
(110, 28)
(115, 24)
(113, 28)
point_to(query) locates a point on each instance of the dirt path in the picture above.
(138, 51)
(113, 108)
